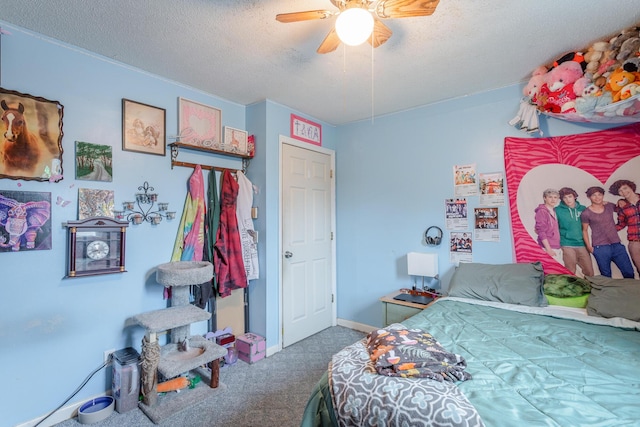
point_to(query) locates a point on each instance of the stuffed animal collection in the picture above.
(599, 84)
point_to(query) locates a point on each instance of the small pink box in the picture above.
(251, 347)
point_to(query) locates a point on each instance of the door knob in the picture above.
(288, 254)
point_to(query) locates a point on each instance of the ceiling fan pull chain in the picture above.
(372, 86)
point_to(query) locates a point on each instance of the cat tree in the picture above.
(183, 352)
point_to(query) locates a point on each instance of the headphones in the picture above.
(433, 240)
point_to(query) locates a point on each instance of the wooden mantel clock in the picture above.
(95, 246)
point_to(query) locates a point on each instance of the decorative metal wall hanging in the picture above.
(144, 208)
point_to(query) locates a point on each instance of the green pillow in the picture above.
(614, 298)
(565, 285)
(519, 283)
(579, 302)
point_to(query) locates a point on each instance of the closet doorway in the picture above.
(308, 240)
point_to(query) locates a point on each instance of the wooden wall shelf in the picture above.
(176, 146)
(207, 150)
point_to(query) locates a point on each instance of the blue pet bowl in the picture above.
(96, 410)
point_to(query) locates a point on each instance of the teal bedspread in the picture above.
(531, 369)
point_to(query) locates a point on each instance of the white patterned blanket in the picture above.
(362, 397)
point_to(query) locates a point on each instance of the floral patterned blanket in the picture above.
(412, 353)
(361, 396)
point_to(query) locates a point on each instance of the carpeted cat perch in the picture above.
(183, 352)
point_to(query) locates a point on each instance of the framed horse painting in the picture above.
(31, 146)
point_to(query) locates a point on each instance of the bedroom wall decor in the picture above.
(199, 125)
(146, 208)
(534, 165)
(95, 246)
(94, 162)
(305, 130)
(93, 203)
(25, 221)
(235, 141)
(31, 137)
(143, 128)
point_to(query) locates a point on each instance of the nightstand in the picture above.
(395, 311)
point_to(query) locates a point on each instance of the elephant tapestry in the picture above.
(565, 195)
(25, 223)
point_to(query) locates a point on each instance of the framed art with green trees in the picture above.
(94, 162)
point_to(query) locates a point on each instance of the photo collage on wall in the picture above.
(489, 187)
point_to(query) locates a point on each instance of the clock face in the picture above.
(95, 246)
(97, 250)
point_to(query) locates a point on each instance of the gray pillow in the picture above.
(614, 298)
(519, 283)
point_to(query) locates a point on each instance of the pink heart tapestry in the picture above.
(534, 165)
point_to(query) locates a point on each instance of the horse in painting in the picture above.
(20, 148)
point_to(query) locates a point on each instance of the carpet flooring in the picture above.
(272, 392)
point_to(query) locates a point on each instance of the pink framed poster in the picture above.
(306, 130)
(577, 162)
(200, 125)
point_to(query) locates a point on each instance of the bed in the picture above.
(531, 364)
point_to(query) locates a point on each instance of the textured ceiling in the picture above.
(236, 50)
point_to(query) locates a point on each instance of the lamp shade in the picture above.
(354, 26)
(421, 264)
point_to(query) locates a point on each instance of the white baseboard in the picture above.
(273, 350)
(357, 326)
(62, 414)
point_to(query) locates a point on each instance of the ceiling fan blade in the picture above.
(309, 15)
(330, 43)
(405, 8)
(380, 34)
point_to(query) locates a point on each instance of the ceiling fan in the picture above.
(378, 9)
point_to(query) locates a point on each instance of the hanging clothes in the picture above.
(212, 219)
(190, 239)
(245, 226)
(227, 257)
(213, 213)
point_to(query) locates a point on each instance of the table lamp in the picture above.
(424, 265)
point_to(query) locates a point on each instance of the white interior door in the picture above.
(308, 274)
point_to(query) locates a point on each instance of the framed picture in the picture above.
(31, 132)
(306, 130)
(94, 162)
(235, 141)
(92, 203)
(143, 128)
(27, 221)
(199, 125)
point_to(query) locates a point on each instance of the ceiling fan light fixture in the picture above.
(354, 26)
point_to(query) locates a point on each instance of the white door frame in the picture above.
(290, 141)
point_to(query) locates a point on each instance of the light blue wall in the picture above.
(392, 178)
(53, 331)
